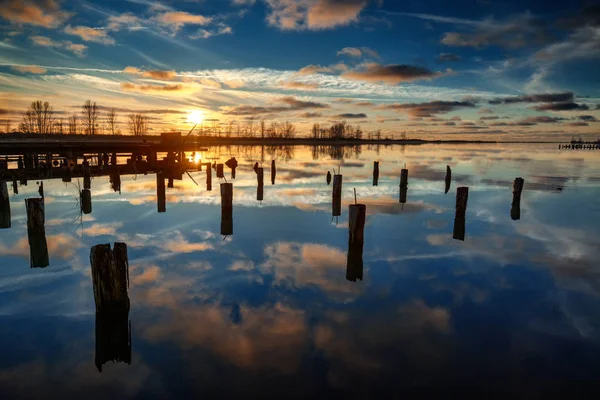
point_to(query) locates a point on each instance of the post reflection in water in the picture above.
(515, 210)
(268, 307)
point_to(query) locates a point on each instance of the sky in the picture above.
(485, 69)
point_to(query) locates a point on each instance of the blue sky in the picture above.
(378, 63)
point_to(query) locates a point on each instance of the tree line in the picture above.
(40, 118)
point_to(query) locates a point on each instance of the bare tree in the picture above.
(7, 126)
(59, 127)
(28, 124)
(90, 113)
(263, 128)
(216, 128)
(229, 128)
(111, 120)
(288, 130)
(138, 124)
(38, 118)
(72, 124)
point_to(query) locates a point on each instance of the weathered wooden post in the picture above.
(110, 278)
(336, 204)
(232, 163)
(448, 179)
(208, 177)
(115, 179)
(87, 179)
(36, 233)
(170, 183)
(356, 227)
(20, 164)
(86, 201)
(260, 175)
(220, 172)
(113, 159)
(273, 172)
(161, 196)
(403, 185)
(5, 216)
(226, 209)
(462, 196)
(515, 210)
(14, 185)
(376, 173)
(328, 178)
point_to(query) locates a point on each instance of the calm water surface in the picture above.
(268, 311)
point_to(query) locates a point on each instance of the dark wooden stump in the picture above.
(515, 209)
(448, 179)
(170, 183)
(260, 176)
(357, 214)
(113, 338)
(273, 172)
(110, 277)
(86, 201)
(36, 233)
(403, 185)
(336, 203)
(226, 209)
(220, 172)
(208, 177)
(161, 195)
(376, 173)
(328, 178)
(115, 180)
(232, 163)
(87, 179)
(462, 197)
(5, 216)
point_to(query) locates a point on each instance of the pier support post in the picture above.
(403, 185)
(226, 209)
(5, 216)
(161, 195)
(376, 173)
(356, 226)
(273, 172)
(515, 210)
(336, 203)
(260, 175)
(208, 177)
(462, 197)
(448, 179)
(36, 233)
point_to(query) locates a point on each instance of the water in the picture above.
(268, 311)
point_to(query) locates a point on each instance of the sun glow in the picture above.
(196, 117)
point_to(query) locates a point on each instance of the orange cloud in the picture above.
(32, 69)
(90, 34)
(154, 74)
(152, 88)
(78, 49)
(45, 13)
(177, 19)
(313, 14)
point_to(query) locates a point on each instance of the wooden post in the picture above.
(462, 197)
(5, 216)
(515, 210)
(220, 173)
(260, 175)
(161, 196)
(336, 204)
(14, 185)
(357, 214)
(86, 201)
(110, 277)
(115, 179)
(113, 338)
(208, 177)
(273, 172)
(448, 179)
(226, 209)
(170, 182)
(113, 159)
(376, 173)
(403, 185)
(328, 178)
(87, 180)
(36, 233)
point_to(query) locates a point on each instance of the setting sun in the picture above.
(196, 117)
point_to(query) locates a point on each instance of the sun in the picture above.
(196, 117)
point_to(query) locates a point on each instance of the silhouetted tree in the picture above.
(111, 121)
(7, 126)
(263, 128)
(90, 113)
(72, 124)
(38, 118)
(138, 124)
(59, 127)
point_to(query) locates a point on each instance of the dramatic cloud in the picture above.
(45, 13)
(566, 106)
(428, 109)
(317, 69)
(358, 52)
(289, 104)
(154, 74)
(32, 69)
(152, 88)
(313, 14)
(391, 74)
(448, 57)
(351, 116)
(535, 98)
(90, 34)
(78, 49)
(299, 85)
